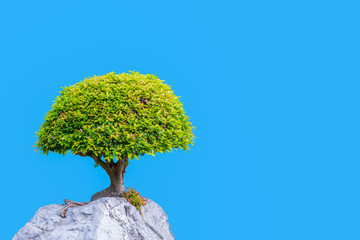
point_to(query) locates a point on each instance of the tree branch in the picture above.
(103, 164)
(121, 160)
(112, 164)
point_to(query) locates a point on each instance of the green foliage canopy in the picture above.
(115, 115)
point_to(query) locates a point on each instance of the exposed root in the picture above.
(69, 204)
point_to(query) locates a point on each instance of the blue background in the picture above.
(271, 86)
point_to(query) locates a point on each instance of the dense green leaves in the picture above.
(116, 114)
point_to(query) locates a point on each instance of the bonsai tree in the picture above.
(115, 118)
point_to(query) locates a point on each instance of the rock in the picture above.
(103, 219)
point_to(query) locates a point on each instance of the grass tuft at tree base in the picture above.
(135, 198)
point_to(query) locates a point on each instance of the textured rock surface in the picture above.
(103, 219)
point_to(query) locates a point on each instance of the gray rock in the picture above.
(103, 219)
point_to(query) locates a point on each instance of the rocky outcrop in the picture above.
(103, 219)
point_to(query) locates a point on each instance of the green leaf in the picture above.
(115, 114)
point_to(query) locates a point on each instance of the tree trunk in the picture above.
(116, 173)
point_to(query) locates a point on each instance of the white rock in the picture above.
(103, 219)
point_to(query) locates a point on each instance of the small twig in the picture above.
(69, 204)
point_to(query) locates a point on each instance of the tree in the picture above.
(114, 118)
